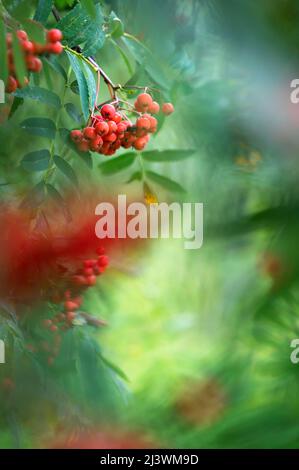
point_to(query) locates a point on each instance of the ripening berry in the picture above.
(22, 35)
(88, 272)
(53, 328)
(89, 133)
(143, 123)
(121, 127)
(54, 48)
(110, 137)
(54, 35)
(37, 65)
(96, 143)
(108, 111)
(154, 108)
(167, 108)
(153, 123)
(76, 136)
(138, 107)
(144, 101)
(47, 323)
(140, 143)
(102, 128)
(112, 126)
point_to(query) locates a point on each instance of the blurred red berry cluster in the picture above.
(31, 51)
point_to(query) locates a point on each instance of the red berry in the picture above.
(112, 126)
(167, 108)
(91, 280)
(140, 143)
(102, 128)
(144, 101)
(96, 143)
(54, 35)
(70, 316)
(28, 47)
(53, 328)
(70, 305)
(117, 118)
(79, 280)
(103, 261)
(11, 85)
(143, 123)
(89, 133)
(37, 65)
(89, 263)
(108, 111)
(100, 250)
(54, 48)
(47, 323)
(154, 107)
(88, 272)
(76, 136)
(22, 35)
(121, 127)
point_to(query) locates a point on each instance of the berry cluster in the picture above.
(71, 300)
(110, 129)
(31, 51)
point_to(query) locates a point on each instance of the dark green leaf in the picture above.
(123, 54)
(36, 161)
(166, 155)
(42, 127)
(15, 105)
(116, 27)
(39, 94)
(80, 29)
(66, 169)
(43, 10)
(75, 87)
(115, 368)
(56, 196)
(165, 182)
(35, 31)
(118, 163)
(89, 7)
(53, 62)
(82, 83)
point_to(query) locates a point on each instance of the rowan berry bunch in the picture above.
(71, 301)
(31, 51)
(110, 128)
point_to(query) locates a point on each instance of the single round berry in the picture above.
(47, 323)
(54, 35)
(140, 143)
(154, 107)
(112, 126)
(37, 65)
(79, 280)
(70, 305)
(28, 47)
(91, 280)
(12, 84)
(96, 143)
(83, 146)
(144, 100)
(167, 108)
(89, 133)
(108, 111)
(70, 316)
(54, 48)
(143, 123)
(76, 136)
(90, 263)
(102, 128)
(103, 261)
(22, 35)
(117, 118)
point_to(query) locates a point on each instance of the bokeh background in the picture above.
(201, 338)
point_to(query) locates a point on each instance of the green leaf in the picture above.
(82, 84)
(75, 87)
(79, 28)
(165, 182)
(123, 54)
(35, 197)
(17, 8)
(116, 27)
(167, 155)
(115, 368)
(72, 111)
(91, 84)
(39, 94)
(56, 196)
(36, 161)
(3, 53)
(137, 176)
(18, 57)
(118, 163)
(42, 127)
(35, 31)
(56, 66)
(89, 7)
(17, 102)
(43, 10)
(66, 169)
